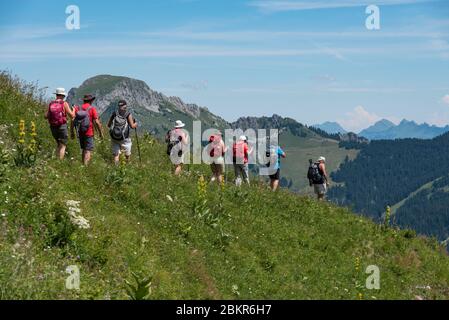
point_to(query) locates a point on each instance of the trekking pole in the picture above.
(138, 146)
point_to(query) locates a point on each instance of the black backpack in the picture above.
(119, 130)
(172, 143)
(314, 174)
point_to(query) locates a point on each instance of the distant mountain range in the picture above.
(330, 127)
(387, 130)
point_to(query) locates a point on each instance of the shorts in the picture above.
(320, 189)
(117, 147)
(61, 134)
(217, 166)
(241, 170)
(276, 176)
(87, 143)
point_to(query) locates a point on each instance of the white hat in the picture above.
(243, 138)
(179, 124)
(322, 159)
(60, 92)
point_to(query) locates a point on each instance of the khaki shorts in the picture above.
(117, 147)
(217, 167)
(320, 189)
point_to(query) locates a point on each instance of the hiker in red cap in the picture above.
(86, 119)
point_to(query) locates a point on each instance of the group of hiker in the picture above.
(85, 123)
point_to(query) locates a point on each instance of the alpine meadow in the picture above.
(137, 232)
(224, 159)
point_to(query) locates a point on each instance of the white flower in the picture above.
(80, 221)
(72, 203)
(169, 198)
(73, 212)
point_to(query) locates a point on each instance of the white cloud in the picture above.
(359, 119)
(291, 5)
(445, 99)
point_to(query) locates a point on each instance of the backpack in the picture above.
(119, 129)
(314, 174)
(172, 140)
(82, 121)
(272, 154)
(56, 113)
(238, 152)
(215, 146)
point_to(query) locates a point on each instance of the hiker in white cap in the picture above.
(57, 118)
(318, 177)
(177, 139)
(240, 159)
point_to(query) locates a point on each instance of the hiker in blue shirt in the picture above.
(276, 153)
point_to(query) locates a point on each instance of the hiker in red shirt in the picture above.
(86, 119)
(241, 153)
(57, 118)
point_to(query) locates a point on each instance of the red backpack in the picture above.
(56, 113)
(215, 145)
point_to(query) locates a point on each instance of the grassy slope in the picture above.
(264, 245)
(300, 150)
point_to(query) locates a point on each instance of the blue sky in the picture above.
(310, 60)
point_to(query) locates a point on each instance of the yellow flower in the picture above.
(33, 129)
(357, 264)
(202, 188)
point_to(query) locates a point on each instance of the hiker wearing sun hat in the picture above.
(119, 124)
(318, 177)
(240, 159)
(177, 139)
(57, 113)
(86, 119)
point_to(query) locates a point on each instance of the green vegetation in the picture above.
(409, 174)
(151, 235)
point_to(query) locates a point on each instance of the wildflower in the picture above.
(202, 191)
(75, 218)
(357, 264)
(22, 132)
(33, 129)
(235, 290)
(73, 203)
(169, 198)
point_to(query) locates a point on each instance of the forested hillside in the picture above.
(387, 172)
